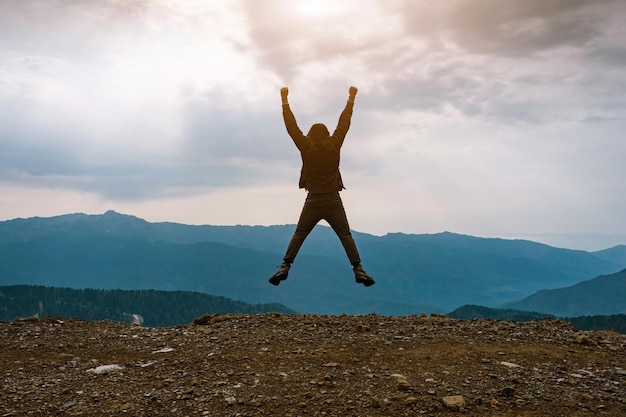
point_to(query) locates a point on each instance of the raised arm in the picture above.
(344, 120)
(290, 120)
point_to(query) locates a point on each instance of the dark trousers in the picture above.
(326, 206)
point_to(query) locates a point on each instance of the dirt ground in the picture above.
(310, 365)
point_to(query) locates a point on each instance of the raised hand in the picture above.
(353, 90)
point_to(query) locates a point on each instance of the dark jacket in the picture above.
(320, 151)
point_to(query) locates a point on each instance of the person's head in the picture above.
(318, 131)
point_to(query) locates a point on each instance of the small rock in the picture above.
(585, 340)
(510, 364)
(454, 402)
(363, 328)
(410, 400)
(507, 392)
(105, 369)
(164, 350)
(404, 385)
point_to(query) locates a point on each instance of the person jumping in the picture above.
(320, 177)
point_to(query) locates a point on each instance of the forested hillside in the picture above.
(148, 307)
(615, 322)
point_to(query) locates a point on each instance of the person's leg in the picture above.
(337, 219)
(309, 217)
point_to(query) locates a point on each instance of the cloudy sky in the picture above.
(494, 118)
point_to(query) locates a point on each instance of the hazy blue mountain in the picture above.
(471, 270)
(120, 225)
(616, 254)
(320, 285)
(415, 273)
(603, 295)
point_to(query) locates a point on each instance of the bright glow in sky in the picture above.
(322, 8)
(495, 118)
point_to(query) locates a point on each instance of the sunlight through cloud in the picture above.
(321, 8)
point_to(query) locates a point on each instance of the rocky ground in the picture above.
(309, 365)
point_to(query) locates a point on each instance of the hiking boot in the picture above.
(361, 276)
(281, 274)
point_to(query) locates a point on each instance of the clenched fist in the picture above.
(353, 90)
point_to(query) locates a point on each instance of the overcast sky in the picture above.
(493, 118)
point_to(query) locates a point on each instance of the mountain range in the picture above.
(415, 273)
(589, 298)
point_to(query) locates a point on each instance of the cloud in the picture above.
(510, 28)
(469, 116)
(102, 96)
(505, 62)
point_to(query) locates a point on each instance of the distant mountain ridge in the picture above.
(415, 273)
(592, 297)
(616, 254)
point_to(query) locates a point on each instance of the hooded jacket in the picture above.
(320, 151)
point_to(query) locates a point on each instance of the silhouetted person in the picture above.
(320, 176)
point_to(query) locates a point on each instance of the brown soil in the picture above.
(309, 365)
